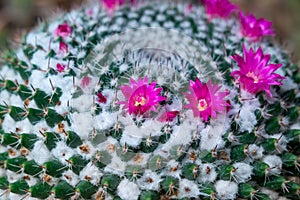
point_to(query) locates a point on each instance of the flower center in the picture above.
(202, 105)
(253, 76)
(140, 101)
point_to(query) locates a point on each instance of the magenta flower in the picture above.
(188, 9)
(133, 2)
(111, 5)
(141, 96)
(101, 98)
(63, 30)
(60, 67)
(63, 48)
(90, 12)
(205, 100)
(85, 81)
(168, 116)
(253, 28)
(255, 73)
(219, 8)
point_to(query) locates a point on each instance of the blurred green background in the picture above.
(19, 16)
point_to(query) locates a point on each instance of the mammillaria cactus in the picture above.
(150, 100)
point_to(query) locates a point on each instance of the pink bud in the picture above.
(86, 80)
(63, 48)
(60, 67)
(101, 98)
(168, 116)
(63, 30)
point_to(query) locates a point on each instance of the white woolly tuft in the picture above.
(208, 173)
(242, 172)
(281, 144)
(182, 135)
(83, 124)
(133, 135)
(3, 149)
(38, 56)
(211, 135)
(41, 126)
(70, 177)
(24, 126)
(13, 176)
(91, 173)
(142, 161)
(255, 152)
(188, 189)
(13, 153)
(149, 127)
(8, 124)
(8, 73)
(64, 99)
(62, 152)
(10, 195)
(149, 181)
(31, 181)
(89, 152)
(105, 120)
(247, 119)
(15, 100)
(116, 166)
(128, 190)
(83, 103)
(40, 153)
(274, 162)
(226, 189)
(171, 165)
(38, 80)
(2, 172)
(5, 96)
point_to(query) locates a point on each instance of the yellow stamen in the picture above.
(253, 76)
(202, 105)
(140, 101)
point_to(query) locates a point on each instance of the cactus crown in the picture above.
(150, 101)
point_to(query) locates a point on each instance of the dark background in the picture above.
(18, 16)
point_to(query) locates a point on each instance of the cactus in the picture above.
(150, 100)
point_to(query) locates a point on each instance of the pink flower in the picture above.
(205, 100)
(188, 9)
(255, 73)
(90, 12)
(133, 2)
(141, 96)
(86, 80)
(219, 8)
(60, 67)
(253, 28)
(63, 30)
(111, 5)
(168, 116)
(101, 98)
(63, 48)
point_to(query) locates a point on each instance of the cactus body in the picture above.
(66, 134)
